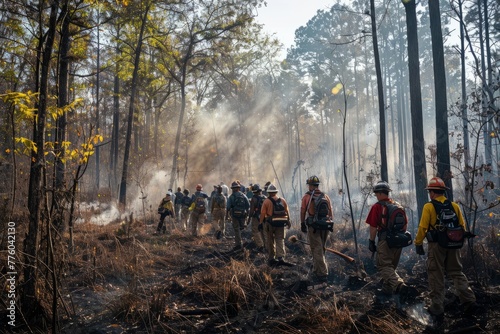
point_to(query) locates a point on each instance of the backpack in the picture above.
(219, 200)
(259, 199)
(279, 217)
(394, 223)
(200, 205)
(447, 231)
(320, 220)
(239, 206)
(186, 201)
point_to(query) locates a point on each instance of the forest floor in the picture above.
(137, 282)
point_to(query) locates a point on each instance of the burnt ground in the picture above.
(181, 284)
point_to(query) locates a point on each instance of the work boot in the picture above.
(406, 293)
(435, 310)
(469, 308)
(282, 262)
(272, 262)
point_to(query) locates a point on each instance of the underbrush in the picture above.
(178, 283)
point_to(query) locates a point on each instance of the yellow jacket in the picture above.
(167, 204)
(429, 218)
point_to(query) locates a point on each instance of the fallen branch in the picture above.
(347, 258)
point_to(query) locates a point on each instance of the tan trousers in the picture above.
(387, 262)
(196, 219)
(275, 241)
(184, 217)
(440, 261)
(257, 236)
(218, 222)
(238, 223)
(317, 241)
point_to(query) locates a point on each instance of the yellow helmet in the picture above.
(313, 180)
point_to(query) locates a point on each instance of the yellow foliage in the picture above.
(337, 89)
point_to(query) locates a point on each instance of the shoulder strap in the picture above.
(385, 217)
(311, 194)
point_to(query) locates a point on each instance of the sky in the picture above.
(283, 17)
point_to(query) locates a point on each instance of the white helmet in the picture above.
(272, 189)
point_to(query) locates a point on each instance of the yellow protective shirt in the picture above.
(167, 204)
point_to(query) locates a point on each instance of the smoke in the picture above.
(98, 213)
(257, 142)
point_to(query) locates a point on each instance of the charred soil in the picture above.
(137, 282)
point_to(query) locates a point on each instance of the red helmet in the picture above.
(198, 187)
(436, 183)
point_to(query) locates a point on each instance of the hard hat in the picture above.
(272, 189)
(313, 180)
(255, 188)
(381, 186)
(199, 186)
(235, 185)
(436, 183)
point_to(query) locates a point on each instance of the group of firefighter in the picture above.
(268, 215)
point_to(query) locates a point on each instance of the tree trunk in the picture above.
(488, 77)
(182, 83)
(61, 122)
(130, 118)
(97, 104)
(442, 137)
(381, 104)
(116, 120)
(463, 107)
(30, 304)
(419, 166)
(484, 112)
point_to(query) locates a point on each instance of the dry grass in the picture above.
(383, 323)
(239, 280)
(170, 285)
(318, 315)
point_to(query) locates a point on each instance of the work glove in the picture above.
(260, 227)
(303, 227)
(288, 224)
(420, 249)
(371, 246)
(469, 235)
